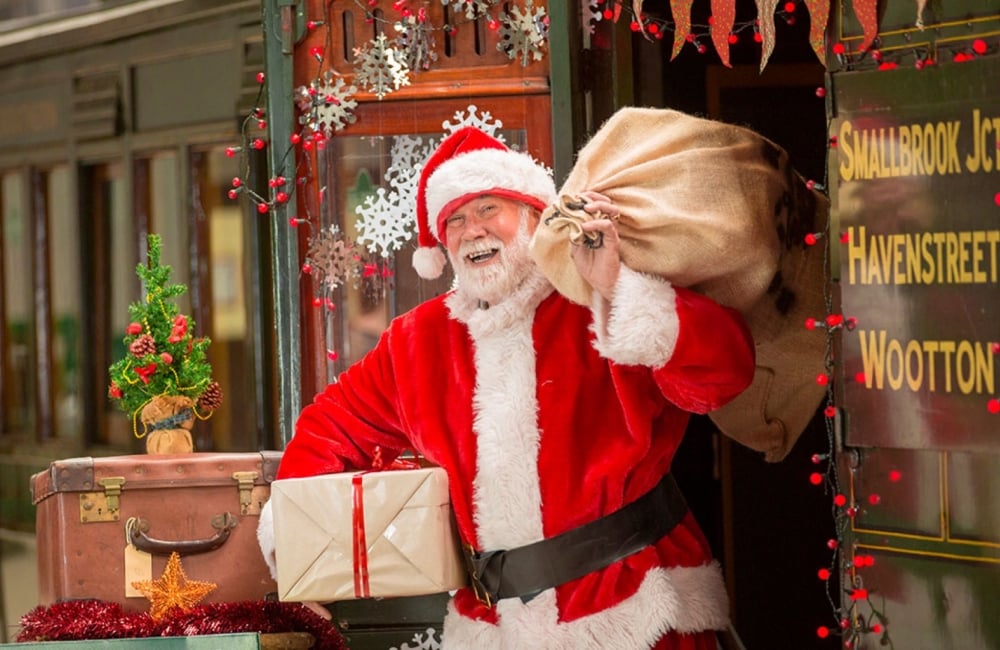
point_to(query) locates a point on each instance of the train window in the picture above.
(225, 303)
(17, 344)
(110, 252)
(67, 313)
(366, 186)
(161, 190)
(368, 180)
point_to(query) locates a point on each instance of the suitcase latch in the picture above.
(102, 506)
(252, 497)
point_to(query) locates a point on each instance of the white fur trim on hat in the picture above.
(479, 171)
(429, 262)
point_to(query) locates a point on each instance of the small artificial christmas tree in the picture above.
(165, 380)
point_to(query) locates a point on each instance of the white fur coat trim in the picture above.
(507, 505)
(642, 326)
(685, 599)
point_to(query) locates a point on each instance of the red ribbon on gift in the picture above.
(362, 588)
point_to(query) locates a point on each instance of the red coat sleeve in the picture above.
(713, 359)
(701, 353)
(344, 424)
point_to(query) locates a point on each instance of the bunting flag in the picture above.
(637, 12)
(721, 25)
(765, 17)
(819, 13)
(681, 10)
(866, 12)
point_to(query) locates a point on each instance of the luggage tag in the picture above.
(138, 564)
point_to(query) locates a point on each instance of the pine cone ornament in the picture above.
(142, 346)
(211, 399)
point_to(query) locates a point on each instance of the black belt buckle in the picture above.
(473, 560)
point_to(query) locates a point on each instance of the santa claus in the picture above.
(555, 422)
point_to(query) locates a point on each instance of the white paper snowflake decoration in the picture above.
(333, 257)
(473, 8)
(380, 68)
(407, 157)
(484, 123)
(384, 223)
(590, 15)
(415, 43)
(326, 104)
(523, 33)
(428, 640)
(387, 220)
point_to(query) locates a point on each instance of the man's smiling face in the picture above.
(487, 242)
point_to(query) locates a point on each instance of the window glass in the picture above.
(370, 185)
(18, 311)
(123, 255)
(67, 302)
(113, 258)
(167, 220)
(381, 283)
(229, 275)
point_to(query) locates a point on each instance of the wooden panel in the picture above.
(467, 60)
(934, 603)
(96, 106)
(973, 481)
(156, 86)
(947, 28)
(528, 112)
(928, 520)
(926, 503)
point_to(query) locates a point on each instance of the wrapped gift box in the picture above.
(365, 534)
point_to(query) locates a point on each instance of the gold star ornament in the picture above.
(172, 589)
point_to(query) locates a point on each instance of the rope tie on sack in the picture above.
(568, 215)
(171, 422)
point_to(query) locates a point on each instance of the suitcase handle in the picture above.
(136, 528)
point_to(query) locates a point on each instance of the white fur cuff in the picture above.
(265, 538)
(642, 326)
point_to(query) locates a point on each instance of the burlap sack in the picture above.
(717, 208)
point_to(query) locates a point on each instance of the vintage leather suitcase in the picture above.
(103, 523)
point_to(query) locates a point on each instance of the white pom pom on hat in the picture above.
(429, 261)
(468, 164)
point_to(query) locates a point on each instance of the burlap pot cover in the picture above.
(168, 420)
(717, 208)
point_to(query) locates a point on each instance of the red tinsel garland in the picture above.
(95, 619)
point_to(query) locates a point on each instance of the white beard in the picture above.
(496, 281)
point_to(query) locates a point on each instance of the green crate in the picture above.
(245, 641)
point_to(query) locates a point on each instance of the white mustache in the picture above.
(480, 246)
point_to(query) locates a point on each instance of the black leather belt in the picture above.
(527, 570)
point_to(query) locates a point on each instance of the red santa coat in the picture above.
(547, 415)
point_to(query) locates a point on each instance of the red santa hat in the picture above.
(468, 164)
